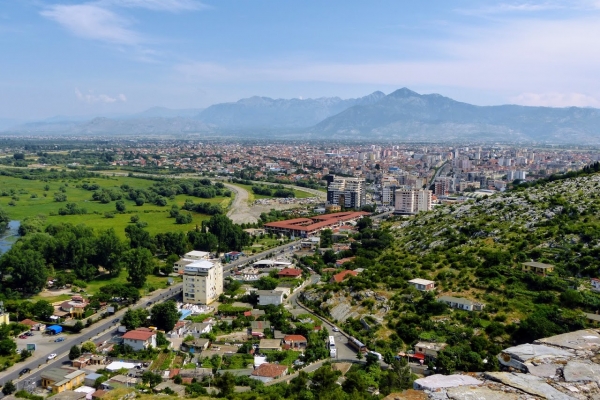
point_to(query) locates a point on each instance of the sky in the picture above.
(110, 57)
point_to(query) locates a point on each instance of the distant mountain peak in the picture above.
(404, 92)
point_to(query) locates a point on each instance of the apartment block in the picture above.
(347, 192)
(202, 281)
(412, 201)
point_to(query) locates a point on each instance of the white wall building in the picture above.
(140, 339)
(347, 192)
(202, 281)
(412, 201)
(189, 258)
(266, 297)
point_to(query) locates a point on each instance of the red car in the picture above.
(23, 337)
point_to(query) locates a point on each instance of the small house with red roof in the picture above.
(337, 278)
(343, 261)
(34, 326)
(296, 342)
(290, 273)
(267, 372)
(140, 339)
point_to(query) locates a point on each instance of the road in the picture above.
(102, 328)
(105, 329)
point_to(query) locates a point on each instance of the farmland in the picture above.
(23, 198)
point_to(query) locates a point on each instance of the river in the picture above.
(8, 238)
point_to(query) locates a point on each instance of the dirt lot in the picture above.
(222, 349)
(233, 337)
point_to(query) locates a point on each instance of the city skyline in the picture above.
(108, 57)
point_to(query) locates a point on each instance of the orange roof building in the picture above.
(303, 227)
(337, 278)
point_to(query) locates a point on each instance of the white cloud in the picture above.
(93, 22)
(157, 5)
(90, 97)
(556, 100)
(503, 8)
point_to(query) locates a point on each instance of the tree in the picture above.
(74, 353)
(27, 269)
(138, 237)
(203, 241)
(98, 382)
(109, 251)
(43, 310)
(229, 235)
(8, 388)
(164, 315)
(177, 379)
(4, 220)
(25, 354)
(140, 264)
(134, 218)
(133, 319)
(120, 206)
(151, 378)
(324, 380)
(88, 347)
(326, 238)
(226, 384)
(364, 223)
(78, 327)
(7, 347)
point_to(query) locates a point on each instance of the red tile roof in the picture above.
(294, 338)
(267, 370)
(28, 322)
(316, 223)
(294, 272)
(173, 373)
(138, 335)
(342, 275)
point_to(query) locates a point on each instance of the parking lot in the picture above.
(44, 343)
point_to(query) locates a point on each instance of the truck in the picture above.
(121, 329)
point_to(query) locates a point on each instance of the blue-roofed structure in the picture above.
(55, 329)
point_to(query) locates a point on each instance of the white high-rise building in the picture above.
(412, 201)
(202, 281)
(347, 192)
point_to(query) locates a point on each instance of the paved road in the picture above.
(105, 327)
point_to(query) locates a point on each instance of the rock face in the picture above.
(560, 367)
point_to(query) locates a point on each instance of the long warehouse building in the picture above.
(304, 227)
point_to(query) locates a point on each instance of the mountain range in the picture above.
(403, 115)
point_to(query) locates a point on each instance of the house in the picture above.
(266, 297)
(538, 268)
(98, 394)
(257, 328)
(140, 339)
(269, 344)
(295, 342)
(267, 372)
(119, 381)
(595, 284)
(197, 345)
(461, 303)
(88, 390)
(423, 285)
(90, 378)
(70, 395)
(428, 350)
(290, 273)
(34, 326)
(60, 379)
(199, 328)
(343, 261)
(337, 278)
(74, 307)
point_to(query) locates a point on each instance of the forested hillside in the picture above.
(475, 250)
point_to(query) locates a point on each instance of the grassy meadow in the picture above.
(253, 196)
(32, 199)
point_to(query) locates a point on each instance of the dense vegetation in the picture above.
(475, 250)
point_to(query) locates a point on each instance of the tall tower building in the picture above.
(412, 201)
(347, 192)
(202, 281)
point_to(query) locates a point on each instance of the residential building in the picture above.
(290, 273)
(412, 201)
(428, 350)
(199, 328)
(4, 318)
(347, 192)
(69, 395)
(337, 278)
(269, 344)
(266, 297)
(189, 258)
(267, 372)
(423, 285)
(595, 282)
(538, 268)
(34, 326)
(60, 379)
(461, 303)
(140, 339)
(443, 186)
(202, 281)
(257, 328)
(295, 342)
(198, 345)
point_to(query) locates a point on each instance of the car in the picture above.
(336, 329)
(115, 320)
(24, 371)
(22, 337)
(29, 333)
(60, 339)
(148, 303)
(52, 356)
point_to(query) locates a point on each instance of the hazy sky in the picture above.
(121, 56)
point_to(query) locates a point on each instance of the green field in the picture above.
(157, 217)
(252, 196)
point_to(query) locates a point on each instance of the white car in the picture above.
(336, 329)
(52, 356)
